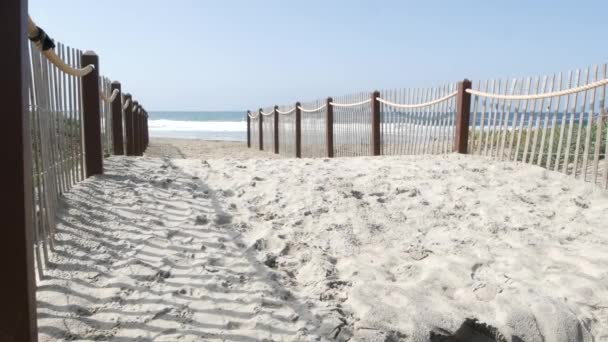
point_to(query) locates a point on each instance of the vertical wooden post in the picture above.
(139, 132)
(144, 119)
(18, 288)
(136, 129)
(276, 129)
(298, 131)
(134, 126)
(463, 111)
(146, 131)
(261, 126)
(140, 140)
(248, 129)
(129, 125)
(117, 120)
(376, 141)
(92, 116)
(138, 135)
(329, 128)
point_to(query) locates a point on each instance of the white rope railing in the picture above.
(127, 104)
(417, 105)
(449, 96)
(267, 114)
(311, 110)
(287, 112)
(111, 98)
(539, 96)
(36, 34)
(350, 104)
(252, 116)
(386, 102)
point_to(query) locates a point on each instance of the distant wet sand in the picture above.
(203, 149)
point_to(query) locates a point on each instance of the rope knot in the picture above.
(43, 39)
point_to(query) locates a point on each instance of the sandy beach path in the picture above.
(153, 256)
(392, 249)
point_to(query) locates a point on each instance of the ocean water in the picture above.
(210, 125)
(217, 125)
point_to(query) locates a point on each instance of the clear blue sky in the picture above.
(240, 54)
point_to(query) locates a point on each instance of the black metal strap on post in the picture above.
(46, 43)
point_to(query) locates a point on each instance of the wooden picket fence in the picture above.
(56, 136)
(60, 118)
(555, 122)
(559, 123)
(360, 124)
(64, 150)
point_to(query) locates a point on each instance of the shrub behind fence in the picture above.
(555, 122)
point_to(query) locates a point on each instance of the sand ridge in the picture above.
(352, 249)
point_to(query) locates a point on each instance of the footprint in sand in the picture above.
(471, 330)
(201, 220)
(222, 219)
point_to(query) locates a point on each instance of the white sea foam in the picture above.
(202, 126)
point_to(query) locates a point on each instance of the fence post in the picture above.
(248, 129)
(129, 125)
(463, 111)
(376, 148)
(117, 120)
(138, 135)
(298, 131)
(143, 130)
(329, 129)
(138, 130)
(146, 132)
(261, 126)
(135, 115)
(18, 290)
(133, 127)
(142, 118)
(276, 129)
(91, 116)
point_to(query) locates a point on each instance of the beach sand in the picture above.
(348, 249)
(203, 149)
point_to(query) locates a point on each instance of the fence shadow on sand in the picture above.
(148, 253)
